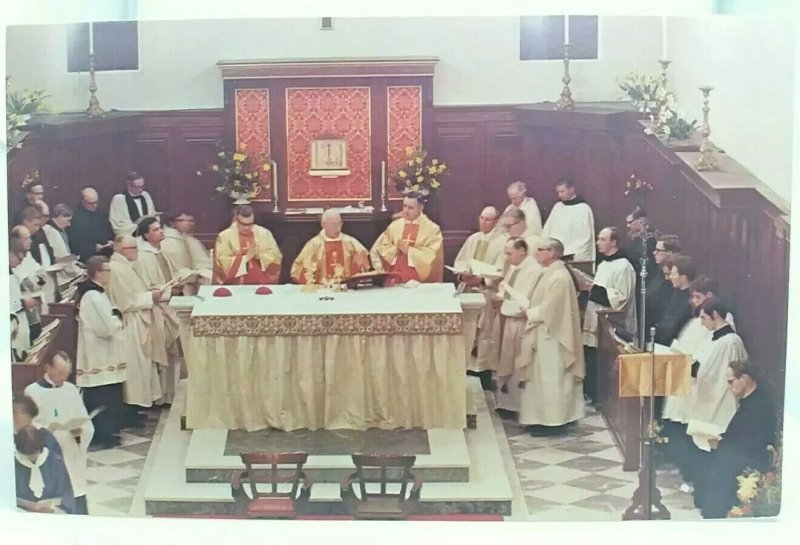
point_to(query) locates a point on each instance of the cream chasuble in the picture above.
(231, 265)
(425, 259)
(186, 253)
(323, 254)
(133, 298)
(486, 247)
(533, 218)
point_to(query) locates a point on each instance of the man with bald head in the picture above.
(518, 195)
(487, 245)
(130, 294)
(90, 232)
(412, 245)
(329, 250)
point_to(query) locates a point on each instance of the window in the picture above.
(542, 38)
(116, 46)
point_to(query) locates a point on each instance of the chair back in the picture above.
(384, 470)
(272, 475)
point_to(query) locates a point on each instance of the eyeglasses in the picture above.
(660, 250)
(129, 248)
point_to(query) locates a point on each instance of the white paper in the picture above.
(75, 423)
(455, 270)
(484, 270)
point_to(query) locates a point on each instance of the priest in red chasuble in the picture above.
(329, 249)
(246, 253)
(411, 246)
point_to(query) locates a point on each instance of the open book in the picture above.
(74, 423)
(484, 270)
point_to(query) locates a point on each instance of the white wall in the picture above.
(751, 64)
(479, 58)
(749, 61)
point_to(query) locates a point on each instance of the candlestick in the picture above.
(708, 157)
(566, 29)
(94, 110)
(383, 186)
(664, 65)
(565, 102)
(274, 186)
(91, 39)
(664, 38)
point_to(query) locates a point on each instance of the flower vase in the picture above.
(239, 198)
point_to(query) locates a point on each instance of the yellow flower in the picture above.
(239, 157)
(735, 511)
(748, 486)
(415, 187)
(243, 146)
(432, 170)
(435, 162)
(265, 167)
(402, 174)
(409, 150)
(442, 168)
(434, 183)
(418, 160)
(420, 179)
(410, 162)
(221, 154)
(215, 168)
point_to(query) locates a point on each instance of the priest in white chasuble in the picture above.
(185, 252)
(246, 253)
(572, 222)
(487, 245)
(329, 250)
(518, 195)
(60, 404)
(135, 300)
(552, 383)
(156, 271)
(514, 223)
(516, 350)
(411, 247)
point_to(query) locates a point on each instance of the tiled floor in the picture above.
(576, 476)
(114, 475)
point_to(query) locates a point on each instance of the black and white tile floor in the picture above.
(576, 476)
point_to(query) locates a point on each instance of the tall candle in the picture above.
(664, 39)
(566, 29)
(91, 39)
(383, 177)
(274, 181)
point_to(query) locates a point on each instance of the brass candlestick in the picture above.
(664, 65)
(383, 186)
(708, 152)
(565, 102)
(274, 165)
(94, 109)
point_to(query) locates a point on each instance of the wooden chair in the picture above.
(272, 504)
(383, 470)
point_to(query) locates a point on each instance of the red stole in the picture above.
(334, 255)
(254, 274)
(401, 266)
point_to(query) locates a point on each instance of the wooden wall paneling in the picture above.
(460, 197)
(152, 157)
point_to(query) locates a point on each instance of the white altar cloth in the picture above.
(385, 358)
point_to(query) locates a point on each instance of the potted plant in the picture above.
(20, 106)
(240, 176)
(417, 174)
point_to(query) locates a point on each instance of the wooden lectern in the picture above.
(647, 375)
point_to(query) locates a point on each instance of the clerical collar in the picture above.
(329, 239)
(414, 222)
(87, 286)
(577, 199)
(147, 247)
(54, 226)
(721, 332)
(613, 257)
(46, 383)
(137, 197)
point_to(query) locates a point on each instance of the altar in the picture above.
(375, 358)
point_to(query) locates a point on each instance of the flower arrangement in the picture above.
(759, 493)
(20, 106)
(237, 173)
(416, 175)
(668, 123)
(635, 185)
(643, 90)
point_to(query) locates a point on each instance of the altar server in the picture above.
(40, 474)
(572, 222)
(59, 402)
(246, 253)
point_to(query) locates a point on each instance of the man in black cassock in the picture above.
(744, 443)
(659, 287)
(678, 311)
(90, 233)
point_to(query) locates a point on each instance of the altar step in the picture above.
(462, 474)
